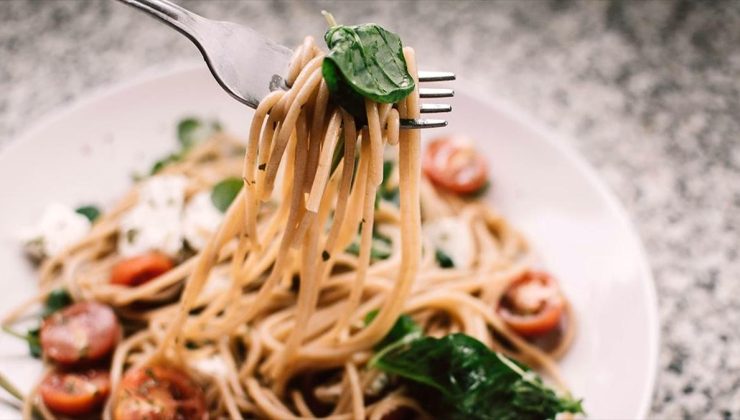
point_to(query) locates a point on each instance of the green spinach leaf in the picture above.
(191, 131)
(165, 161)
(33, 336)
(57, 299)
(385, 191)
(444, 260)
(91, 212)
(381, 247)
(224, 193)
(365, 61)
(460, 378)
(405, 328)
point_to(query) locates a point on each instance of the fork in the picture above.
(249, 66)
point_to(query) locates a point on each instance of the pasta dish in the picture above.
(327, 268)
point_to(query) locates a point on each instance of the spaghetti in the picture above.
(268, 316)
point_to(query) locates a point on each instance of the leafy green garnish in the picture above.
(443, 259)
(91, 212)
(57, 299)
(32, 337)
(191, 131)
(388, 166)
(224, 193)
(365, 61)
(380, 249)
(405, 328)
(460, 378)
(165, 161)
(385, 191)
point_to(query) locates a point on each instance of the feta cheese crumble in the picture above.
(211, 366)
(200, 220)
(154, 223)
(454, 238)
(59, 227)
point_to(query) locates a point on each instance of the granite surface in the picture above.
(648, 91)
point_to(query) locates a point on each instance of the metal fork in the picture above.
(249, 66)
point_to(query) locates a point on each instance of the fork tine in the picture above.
(434, 108)
(422, 123)
(436, 76)
(436, 93)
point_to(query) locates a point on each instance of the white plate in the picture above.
(88, 152)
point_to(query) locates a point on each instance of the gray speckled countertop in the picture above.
(648, 91)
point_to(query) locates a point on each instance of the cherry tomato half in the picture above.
(140, 269)
(82, 332)
(159, 392)
(75, 393)
(533, 305)
(453, 164)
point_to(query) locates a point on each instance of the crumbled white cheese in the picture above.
(200, 220)
(212, 366)
(154, 223)
(454, 238)
(59, 227)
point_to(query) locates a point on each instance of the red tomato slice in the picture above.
(75, 393)
(161, 392)
(453, 164)
(533, 305)
(82, 332)
(140, 269)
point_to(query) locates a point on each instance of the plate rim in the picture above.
(554, 138)
(560, 142)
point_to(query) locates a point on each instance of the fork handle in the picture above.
(170, 13)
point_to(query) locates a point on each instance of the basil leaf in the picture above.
(224, 193)
(191, 131)
(405, 328)
(379, 250)
(443, 259)
(91, 212)
(365, 61)
(460, 378)
(57, 299)
(33, 336)
(165, 161)
(388, 166)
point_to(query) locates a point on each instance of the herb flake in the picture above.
(224, 193)
(91, 212)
